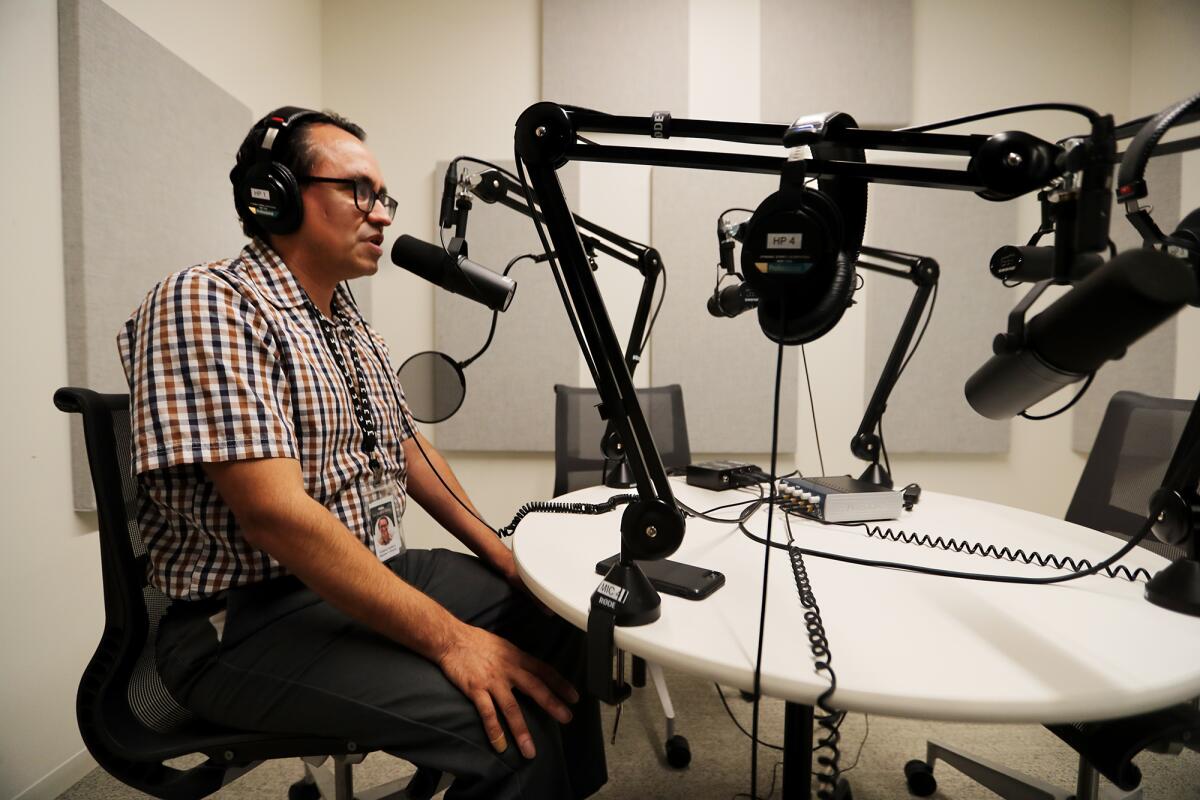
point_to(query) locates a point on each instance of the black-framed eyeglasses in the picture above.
(364, 193)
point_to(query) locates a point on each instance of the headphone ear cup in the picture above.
(791, 330)
(270, 195)
(782, 326)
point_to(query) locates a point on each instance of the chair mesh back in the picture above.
(578, 431)
(148, 698)
(1127, 464)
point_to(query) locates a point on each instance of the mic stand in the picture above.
(1176, 511)
(923, 272)
(496, 187)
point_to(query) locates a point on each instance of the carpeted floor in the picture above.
(720, 765)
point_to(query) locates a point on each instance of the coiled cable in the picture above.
(1004, 553)
(829, 721)
(563, 508)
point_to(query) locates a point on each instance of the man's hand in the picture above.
(487, 668)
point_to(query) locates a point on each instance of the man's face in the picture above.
(344, 241)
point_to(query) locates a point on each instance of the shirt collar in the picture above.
(280, 286)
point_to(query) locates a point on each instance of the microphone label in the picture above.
(611, 590)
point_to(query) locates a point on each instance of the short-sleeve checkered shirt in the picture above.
(226, 361)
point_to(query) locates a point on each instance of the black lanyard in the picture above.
(358, 392)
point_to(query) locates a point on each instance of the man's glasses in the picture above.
(364, 193)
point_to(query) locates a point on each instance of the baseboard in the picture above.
(61, 778)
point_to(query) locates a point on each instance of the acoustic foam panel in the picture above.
(509, 405)
(854, 56)
(619, 56)
(725, 366)
(927, 412)
(1149, 364)
(147, 143)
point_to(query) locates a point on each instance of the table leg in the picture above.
(797, 751)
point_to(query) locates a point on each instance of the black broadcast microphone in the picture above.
(449, 187)
(1092, 323)
(456, 274)
(732, 300)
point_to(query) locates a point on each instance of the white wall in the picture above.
(50, 620)
(51, 617)
(440, 80)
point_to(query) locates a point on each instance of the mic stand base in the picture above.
(877, 475)
(618, 475)
(624, 598)
(1177, 587)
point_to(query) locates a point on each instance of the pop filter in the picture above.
(434, 386)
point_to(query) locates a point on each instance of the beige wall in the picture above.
(429, 81)
(52, 617)
(440, 80)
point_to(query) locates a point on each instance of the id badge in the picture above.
(383, 519)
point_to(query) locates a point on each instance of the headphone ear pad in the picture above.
(819, 320)
(270, 195)
(793, 329)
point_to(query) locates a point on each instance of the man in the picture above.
(271, 440)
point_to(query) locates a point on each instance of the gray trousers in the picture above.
(288, 662)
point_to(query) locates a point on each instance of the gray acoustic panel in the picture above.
(147, 143)
(854, 56)
(725, 366)
(620, 56)
(1149, 365)
(509, 404)
(927, 412)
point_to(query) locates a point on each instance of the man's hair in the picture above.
(293, 150)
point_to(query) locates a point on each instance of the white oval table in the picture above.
(902, 644)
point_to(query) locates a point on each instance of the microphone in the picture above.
(446, 208)
(1033, 264)
(456, 274)
(1092, 323)
(732, 300)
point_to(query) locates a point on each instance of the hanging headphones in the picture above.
(801, 244)
(268, 192)
(1131, 187)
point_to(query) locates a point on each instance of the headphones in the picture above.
(268, 192)
(1131, 187)
(800, 245)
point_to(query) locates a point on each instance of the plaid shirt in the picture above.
(226, 361)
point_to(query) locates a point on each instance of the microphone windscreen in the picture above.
(1111, 309)
(420, 258)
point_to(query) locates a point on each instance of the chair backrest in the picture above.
(578, 430)
(1127, 464)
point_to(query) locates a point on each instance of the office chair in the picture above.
(579, 462)
(128, 720)
(1129, 459)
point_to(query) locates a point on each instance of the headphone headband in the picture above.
(267, 191)
(280, 121)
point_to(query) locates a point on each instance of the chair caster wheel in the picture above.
(423, 784)
(919, 777)
(679, 753)
(303, 790)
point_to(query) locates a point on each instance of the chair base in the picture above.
(320, 782)
(1006, 782)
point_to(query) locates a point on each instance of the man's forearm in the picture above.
(441, 503)
(316, 546)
